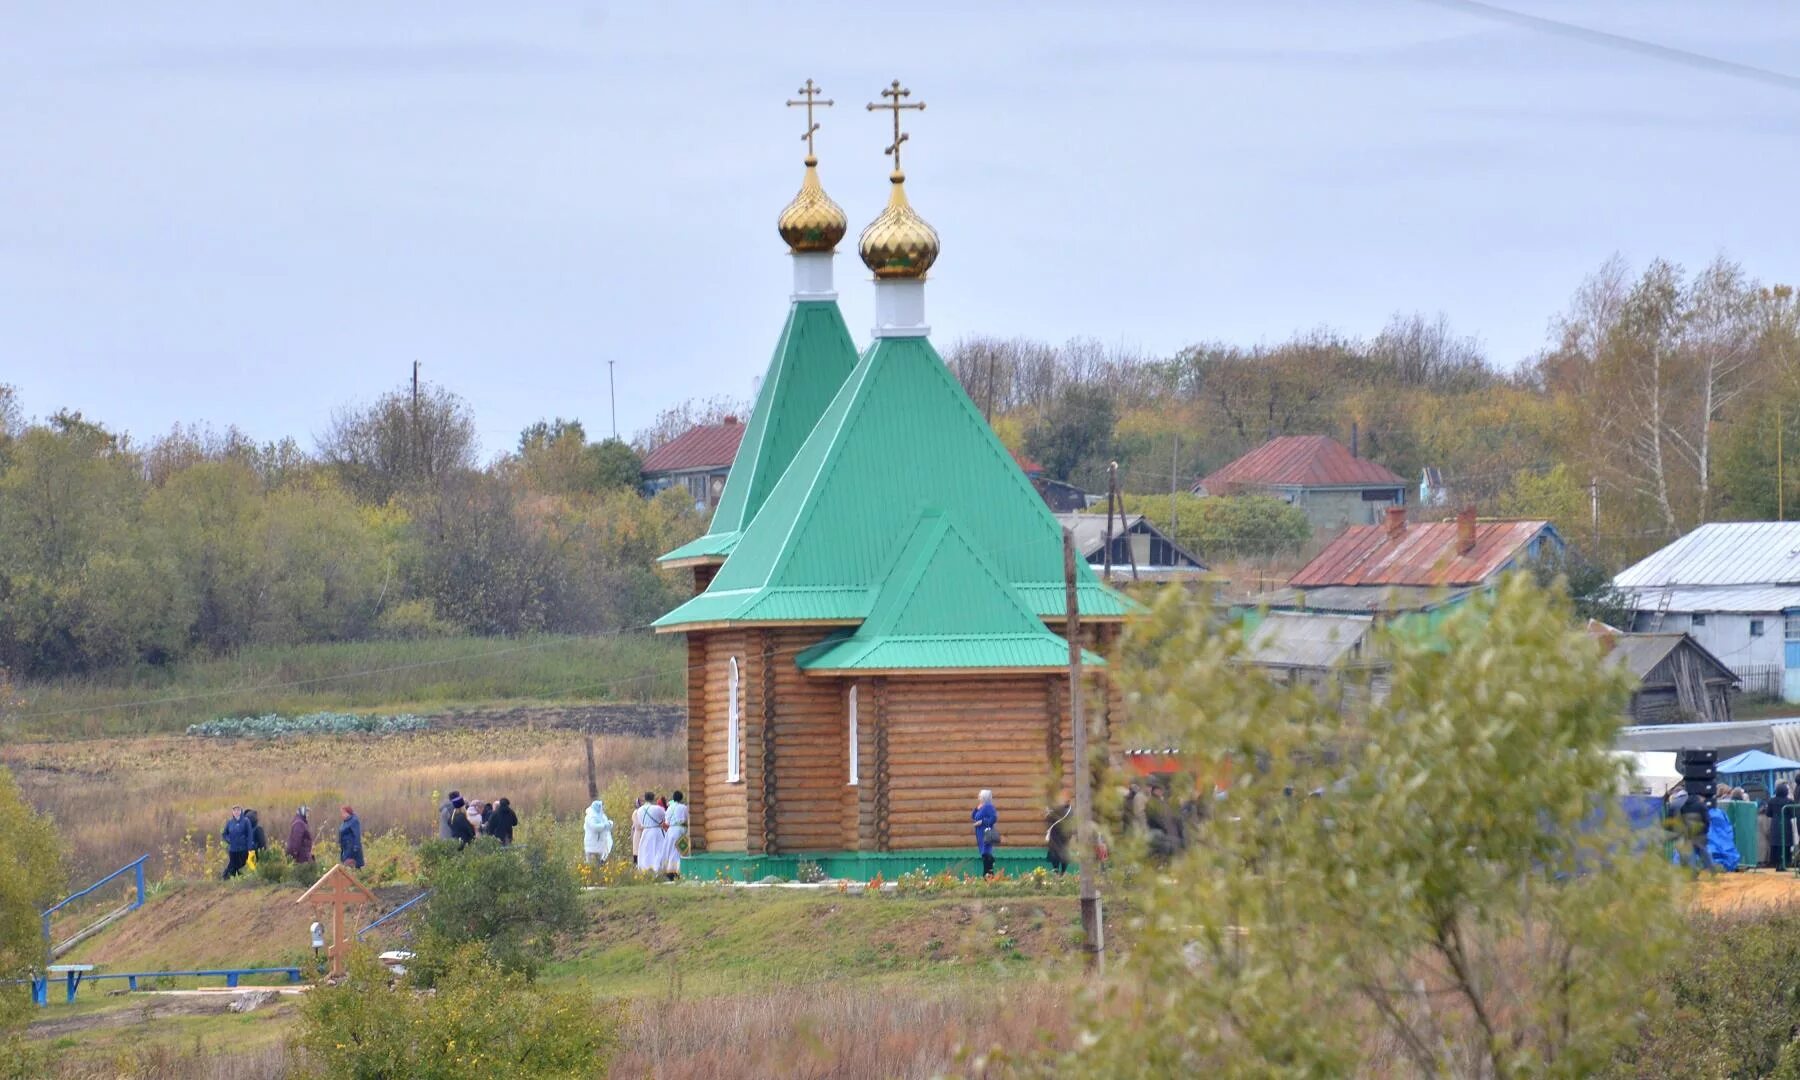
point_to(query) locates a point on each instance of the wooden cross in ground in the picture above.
(811, 93)
(894, 93)
(340, 889)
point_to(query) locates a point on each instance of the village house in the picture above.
(1136, 542)
(698, 459)
(1316, 473)
(1331, 654)
(1414, 567)
(1734, 587)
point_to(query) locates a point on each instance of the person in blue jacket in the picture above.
(350, 848)
(239, 839)
(987, 832)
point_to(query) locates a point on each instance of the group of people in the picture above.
(658, 834)
(462, 820)
(1164, 823)
(245, 837)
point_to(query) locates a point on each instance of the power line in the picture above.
(1608, 40)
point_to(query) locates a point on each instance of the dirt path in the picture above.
(1749, 891)
(128, 1009)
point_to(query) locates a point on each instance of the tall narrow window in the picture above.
(853, 733)
(734, 763)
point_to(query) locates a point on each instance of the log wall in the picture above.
(718, 806)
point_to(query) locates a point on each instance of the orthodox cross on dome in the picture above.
(810, 92)
(894, 94)
(339, 890)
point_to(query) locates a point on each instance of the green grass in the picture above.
(376, 676)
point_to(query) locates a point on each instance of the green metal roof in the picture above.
(812, 359)
(900, 438)
(943, 606)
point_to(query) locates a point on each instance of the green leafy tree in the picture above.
(1438, 886)
(616, 465)
(514, 901)
(1555, 496)
(1075, 434)
(483, 1021)
(34, 875)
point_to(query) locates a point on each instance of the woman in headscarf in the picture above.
(300, 838)
(987, 832)
(596, 833)
(653, 844)
(350, 844)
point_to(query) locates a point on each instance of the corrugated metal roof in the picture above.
(1723, 553)
(812, 358)
(1640, 653)
(1299, 461)
(943, 606)
(901, 437)
(1424, 554)
(1289, 639)
(1357, 599)
(1090, 533)
(704, 446)
(1727, 599)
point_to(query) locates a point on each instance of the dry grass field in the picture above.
(114, 799)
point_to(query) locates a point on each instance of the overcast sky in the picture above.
(254, 213)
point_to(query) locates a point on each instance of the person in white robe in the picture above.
(597, 833)
(677, 818)
(655, 840)
(637, 827)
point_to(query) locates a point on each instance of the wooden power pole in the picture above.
(1092, 931)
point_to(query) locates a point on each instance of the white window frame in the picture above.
(1790, 626)
(734, 722)
(853, 740)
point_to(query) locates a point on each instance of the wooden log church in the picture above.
(874, 632)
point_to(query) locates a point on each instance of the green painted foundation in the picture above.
(854, 865)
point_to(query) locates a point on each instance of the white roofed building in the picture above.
(1734, 587)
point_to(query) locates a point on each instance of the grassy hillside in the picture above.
(388, 676)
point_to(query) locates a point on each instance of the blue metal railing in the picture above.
(391, 914)
(136, 866)
(72, 979)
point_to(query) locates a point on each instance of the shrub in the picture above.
(615, 872)
(483, 1021)
(389, 859)
(809, 872)
(272, 866)
(306, 873)
(515, 899)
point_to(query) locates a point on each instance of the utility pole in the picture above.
(418, 428)
(1092, 930)
(613, 397)
(1174, 464)
(1112, 485)
(1594, 510)
(1780, 488)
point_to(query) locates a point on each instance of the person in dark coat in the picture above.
(462, 830)
(1163, 824)
(300, 838)
(501, 821)
(237, 837)
(445, 809)
(1058, 836)
(1781, 850)
(987, 831)
(259, 839)
(350, 846)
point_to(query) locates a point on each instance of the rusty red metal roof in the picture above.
(1299, 461)
(1027, 465)
(705, 446)
(1424, 554)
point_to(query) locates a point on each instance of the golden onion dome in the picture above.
(899, 243)
(812, 222)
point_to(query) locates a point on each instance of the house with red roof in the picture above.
(1316, 473)
(698, 459)
(1400, 566)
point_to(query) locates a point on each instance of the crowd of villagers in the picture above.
(245, 837)
(659, 834)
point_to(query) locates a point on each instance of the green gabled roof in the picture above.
(900, 438)
(812, 359)
(943, 605)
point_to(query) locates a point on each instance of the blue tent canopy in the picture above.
(1756, 761)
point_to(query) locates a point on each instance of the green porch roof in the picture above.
(901, 438)
(812, 359)
(943, 605)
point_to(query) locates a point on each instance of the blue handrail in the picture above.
(136, 865)
(391, 914)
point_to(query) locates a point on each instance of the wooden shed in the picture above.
(1678, 680)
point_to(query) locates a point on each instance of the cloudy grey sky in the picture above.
(253, 213)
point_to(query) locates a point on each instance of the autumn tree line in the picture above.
(201, 542)
(1660, 401)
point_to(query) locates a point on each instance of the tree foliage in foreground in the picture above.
(1462, 899)
(513, 901)
(481, 1021)
(33, 876)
